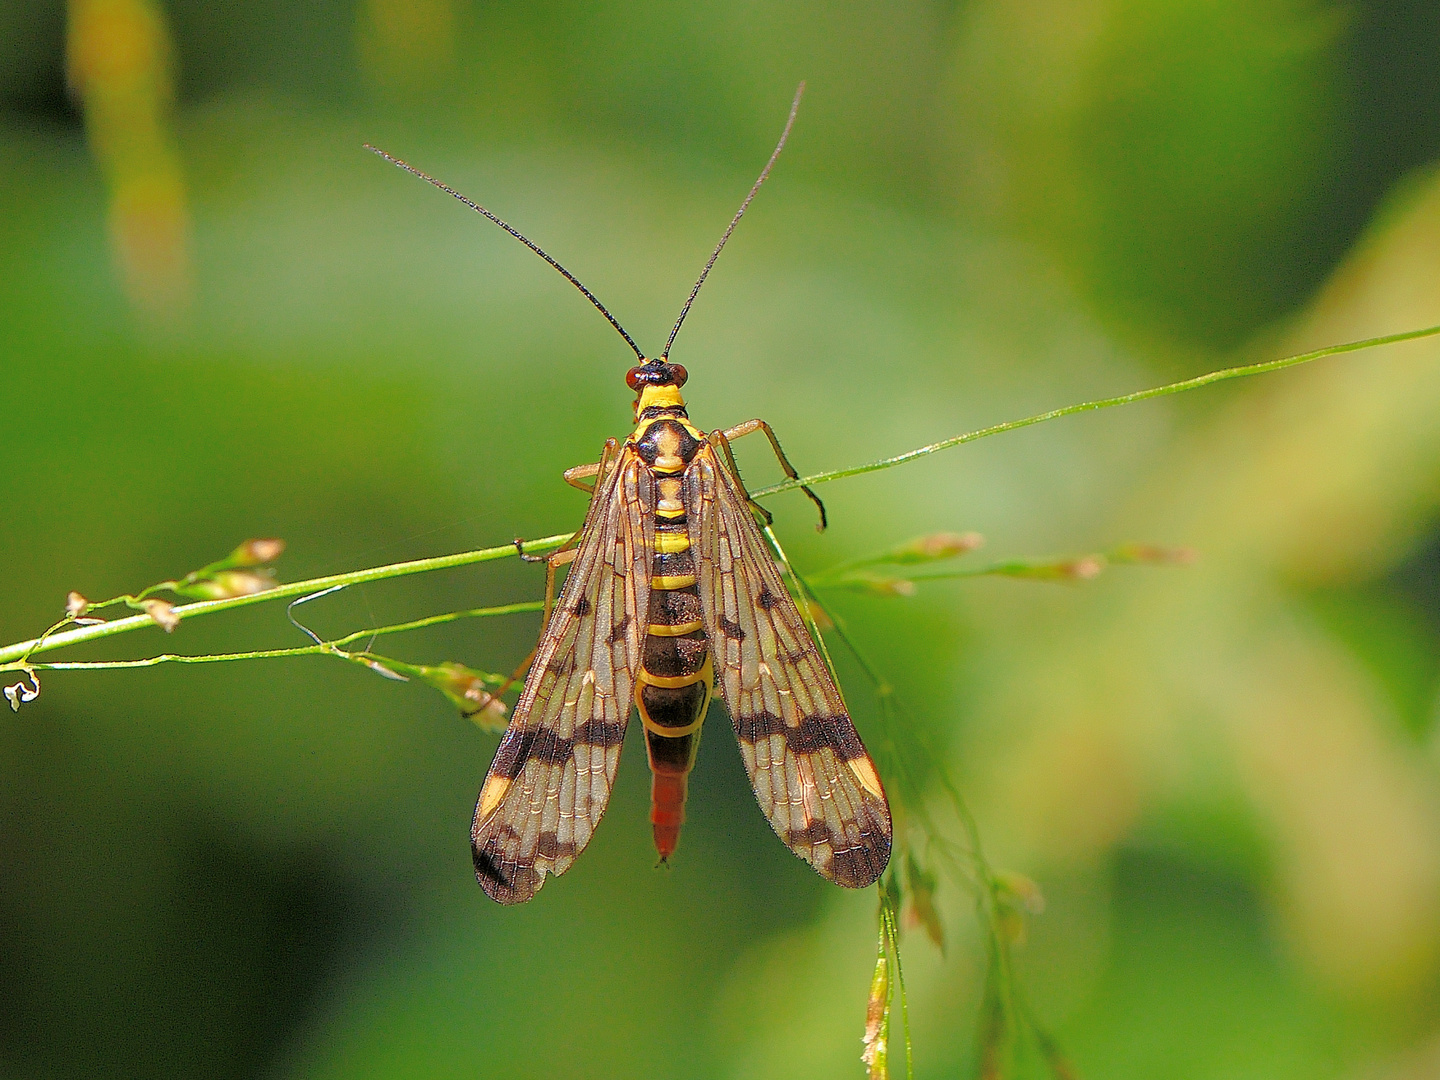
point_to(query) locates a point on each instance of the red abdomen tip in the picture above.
(667, 810)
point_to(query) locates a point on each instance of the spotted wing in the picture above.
(811, 774)
(552, 774)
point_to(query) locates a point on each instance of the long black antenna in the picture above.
(531, 244)
(794, 108)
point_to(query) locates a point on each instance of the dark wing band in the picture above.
(552, 775)
(811, 774)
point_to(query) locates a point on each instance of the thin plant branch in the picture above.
(321, 648)
(16, 656)
(24, 649)
(1103, 403)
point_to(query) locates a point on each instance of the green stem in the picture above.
(11, 653)
(21, 651)
(1035, 569)
(892, 932)
(299, 650)
(177, 658)
(447, 617)
(1103, 403)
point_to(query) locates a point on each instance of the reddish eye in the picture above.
(680, 374)
(632, 378)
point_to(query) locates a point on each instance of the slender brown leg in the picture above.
(561, 556)
(579, 473)
(555, 560)
(739, 431)
(723, 442)
(565, 554)
(575, 477)
(596, 469)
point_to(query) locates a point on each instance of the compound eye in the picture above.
(632, 378)
(680, 374)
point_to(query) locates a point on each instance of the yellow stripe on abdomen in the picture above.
(678, 630)
(673, 682)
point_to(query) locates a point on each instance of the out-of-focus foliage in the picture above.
(222, 319)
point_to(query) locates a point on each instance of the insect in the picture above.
(671, 590)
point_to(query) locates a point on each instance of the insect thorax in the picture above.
(666, 441)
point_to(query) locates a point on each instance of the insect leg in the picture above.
(561, 556)
(739, 431)
(565, 554)
(572, 477)
(578, 476)
(720, 438)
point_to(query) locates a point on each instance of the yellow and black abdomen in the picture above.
(676, 677)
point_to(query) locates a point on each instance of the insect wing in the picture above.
(552, 774)
(811, 774)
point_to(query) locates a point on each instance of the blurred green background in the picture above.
(220, 318)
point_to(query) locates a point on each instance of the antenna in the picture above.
(536, 247)
(794, 108)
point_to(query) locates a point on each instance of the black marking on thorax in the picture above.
(652, 411)
(667, 447)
